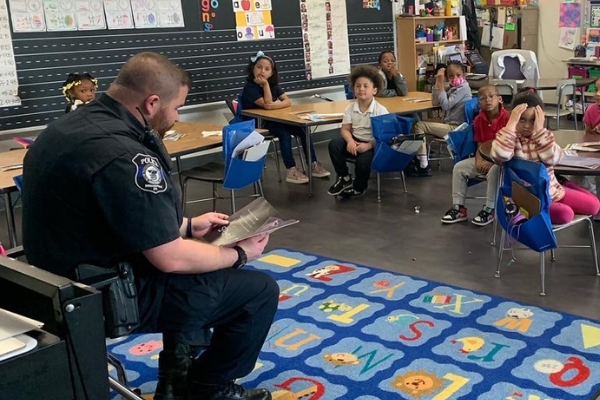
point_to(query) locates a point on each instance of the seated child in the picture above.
(393, 81)
(79, 90)
(452, 103)
(262, 90)
(591, 119)
(492, 117)
(356, 140)
(524, 136)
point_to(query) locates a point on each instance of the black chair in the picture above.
(101, 282)
(73, 311)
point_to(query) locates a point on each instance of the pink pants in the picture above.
(576, 201)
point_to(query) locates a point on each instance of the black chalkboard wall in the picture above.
(216, 60)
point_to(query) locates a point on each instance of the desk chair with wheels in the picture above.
(564, 89)
(514, 64)
(536, 232)
(232, 173)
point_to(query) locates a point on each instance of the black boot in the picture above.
(173, 366)
(225, 391)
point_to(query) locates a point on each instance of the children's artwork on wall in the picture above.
(8, 67)
(87, 15)
(119, 15)
(325, 38)
(570, 15)
(372, 4)
(27, 16)
(253, 20)
(595, 15)
(568, 38)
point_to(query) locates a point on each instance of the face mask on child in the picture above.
(456, 82)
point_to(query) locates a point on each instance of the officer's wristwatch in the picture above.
(242, 258)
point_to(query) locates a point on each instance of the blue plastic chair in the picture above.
(235, 106)
(537, 232)
(18, 182)
(386, 159)
(348, 91)
(232, 173)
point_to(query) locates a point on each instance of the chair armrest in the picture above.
(15, 252)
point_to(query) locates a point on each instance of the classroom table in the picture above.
(7, 186)
(562, 138)
(539, 84)
(192, 142)
(292, 115)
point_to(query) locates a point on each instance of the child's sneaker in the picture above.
(318, 171)
(484, 218)
(295, 176)
(454, 215)
(350, 192)
(339, 186)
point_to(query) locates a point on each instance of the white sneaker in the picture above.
(318, 171)
(294, 175)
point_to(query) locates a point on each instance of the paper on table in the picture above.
(252, 139)
(12, 324)
(581, 147)
(580, 162)
(211, 133)
(173, 136)
(10, 167)
(301, 112)
(320, 117)
(414, 99)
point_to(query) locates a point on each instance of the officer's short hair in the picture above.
(150, 73)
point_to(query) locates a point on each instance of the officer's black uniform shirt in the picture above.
(93, 193)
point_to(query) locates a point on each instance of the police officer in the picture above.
(97, 190)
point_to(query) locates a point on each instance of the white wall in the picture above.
(550, 56)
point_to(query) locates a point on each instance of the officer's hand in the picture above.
(205, 223)
(254, 246)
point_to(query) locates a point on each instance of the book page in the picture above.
(258, 217)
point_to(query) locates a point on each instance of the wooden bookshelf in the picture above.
(408, 46)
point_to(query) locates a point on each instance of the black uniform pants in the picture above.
(238, 304)
(339, 154)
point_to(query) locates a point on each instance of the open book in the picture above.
(256, 218)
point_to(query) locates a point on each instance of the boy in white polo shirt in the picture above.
(356, 140)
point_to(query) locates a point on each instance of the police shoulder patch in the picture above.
(149, 174)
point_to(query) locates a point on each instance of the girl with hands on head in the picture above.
(524, 136)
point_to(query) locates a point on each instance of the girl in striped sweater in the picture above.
(524, 136)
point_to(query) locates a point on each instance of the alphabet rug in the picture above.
(348, 331)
